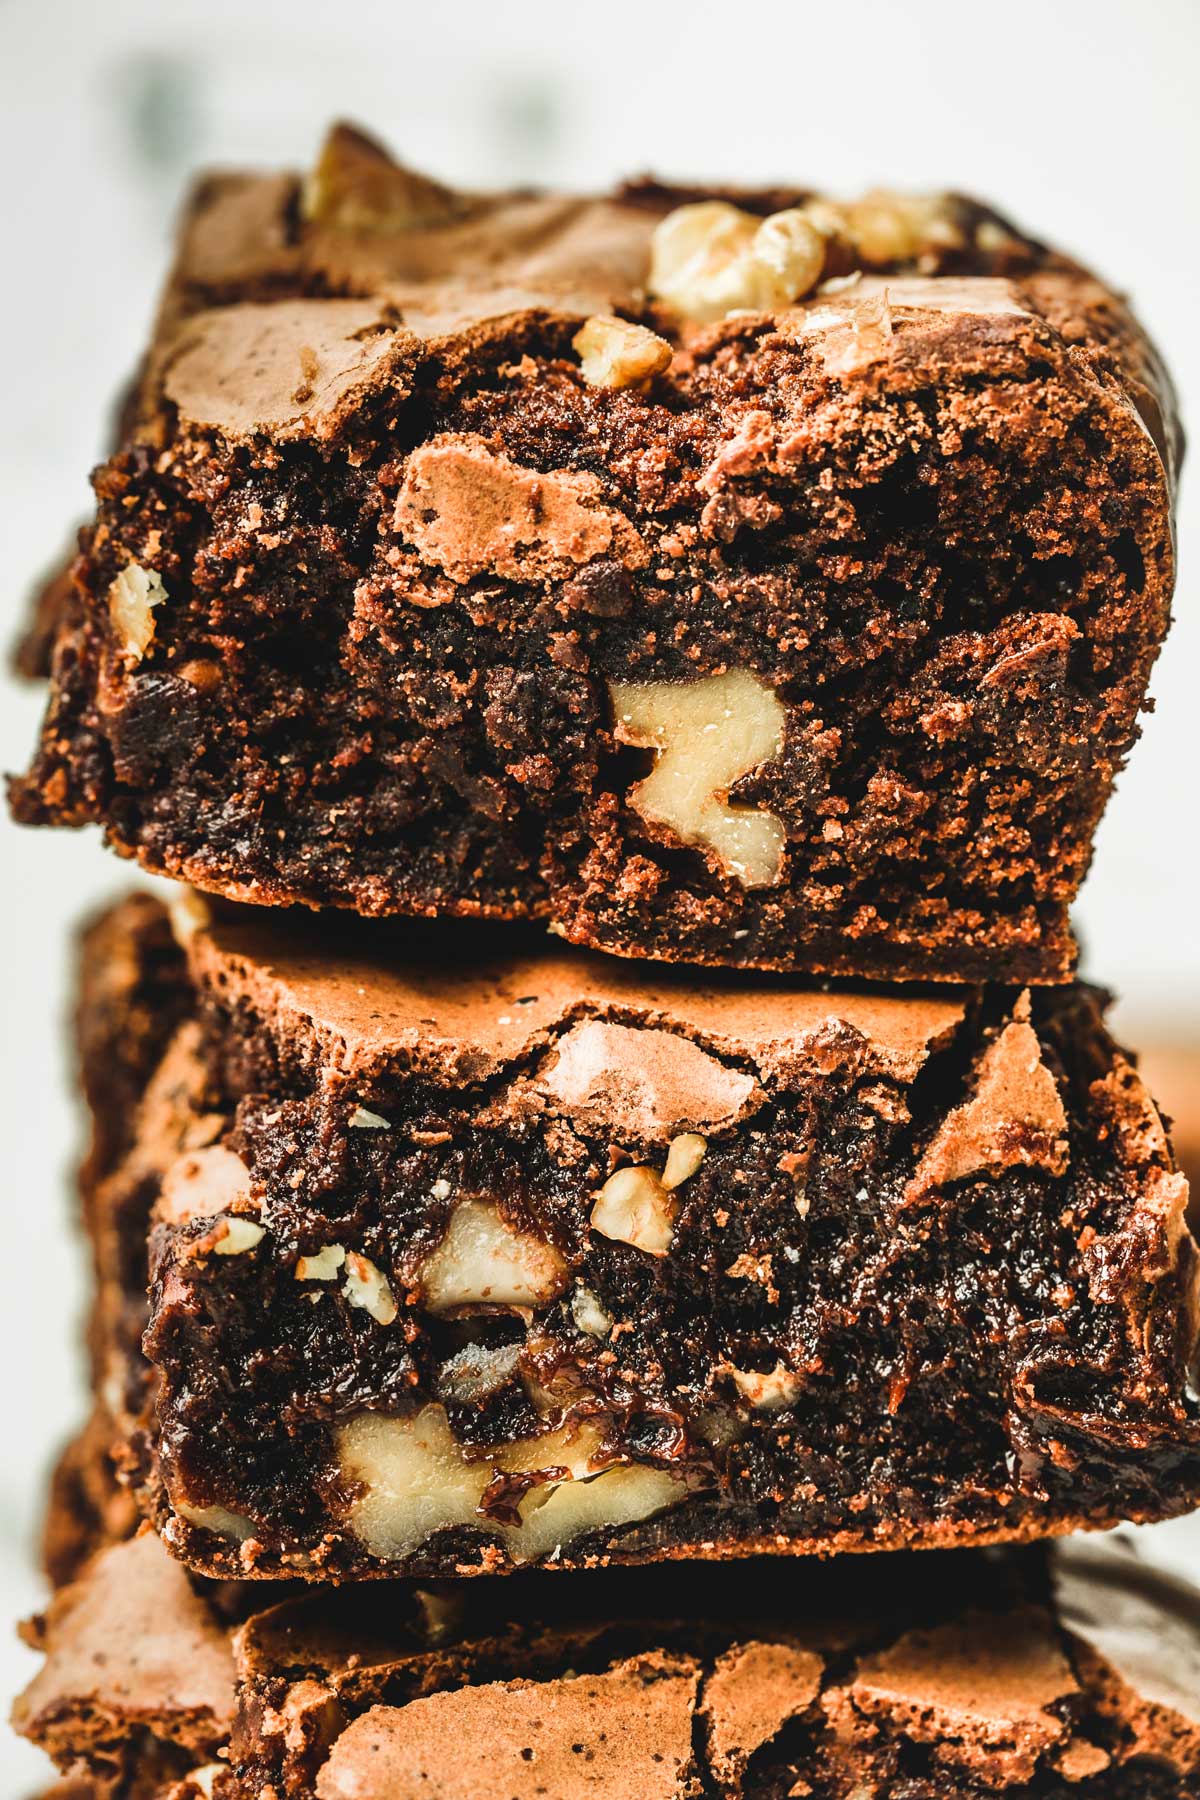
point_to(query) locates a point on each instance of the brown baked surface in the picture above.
(1074, 1672)
(387, 596)
(45, 616)
(86, 1507)
(606, 1267)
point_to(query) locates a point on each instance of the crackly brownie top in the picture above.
(996, 1676)
(641, 1046)
(293, 299)
(131, 1646)
(1082, 1664)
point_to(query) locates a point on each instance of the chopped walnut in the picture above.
(411, 1478)
(766, 1392)
(616, 354)
(217, 1519)
(485, 1261)
(589, 1314)
(322, 1265)
(635, 1208)
(363, 1119)
(884, 227)
(635, 1205)
(684, 1156)
(238, 1236)
(356, 186)
(477, 1371)
(368, 1287)
(132, 598)
(710, 259)
(708, 734)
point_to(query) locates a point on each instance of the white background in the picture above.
(1079, 117)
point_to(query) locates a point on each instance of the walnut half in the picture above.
(708, 734)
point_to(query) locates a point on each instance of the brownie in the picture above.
(737, 579)
(138, 1682)
(45, 615)
(86, 1507)
(132, 993)
(1039, 1676)
(467, 1254)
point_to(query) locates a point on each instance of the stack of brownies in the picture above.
(496, 1336)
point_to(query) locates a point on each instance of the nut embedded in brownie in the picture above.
(1036, 1675)
(753, 579)
(467, 1256)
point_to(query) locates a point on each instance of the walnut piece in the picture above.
(217, 1519)
(363, 1119)
(477, 1371)
(885, 228)
(322, 1265)
(710, 259)
(615, 354)
(485, 1261)
(238, 1236)
(355, 186)
(708, 734)
(589, 1314)
(684, 1156)
(368, 1287)
(765, 1392)
(411, 1478)
(201, 1184)
(635, 1205)
(132, 598)
(635, 1208)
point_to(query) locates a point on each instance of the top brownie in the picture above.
(756, 580)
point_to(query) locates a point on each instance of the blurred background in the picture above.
(1078, 117)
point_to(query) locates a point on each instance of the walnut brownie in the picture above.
(468, 1256)
(754, 580)
(1041, 1676)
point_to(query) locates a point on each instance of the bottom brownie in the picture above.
(1039, 1674)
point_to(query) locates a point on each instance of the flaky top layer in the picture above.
(462, 1005)
(293, 298)
(1001, 1675)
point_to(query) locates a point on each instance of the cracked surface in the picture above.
(408, 552)
(951, 1675)
(925, 1276)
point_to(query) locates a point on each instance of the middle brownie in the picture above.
(466, 1256)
